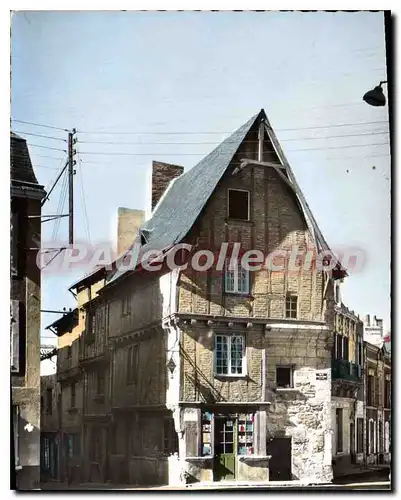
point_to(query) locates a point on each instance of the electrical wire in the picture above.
(44, 156)
(59, 168)
(39, 125)
(46, 147)
(40, 135)
(314, 160)
(210, 133)
(63, 196)
(86, 219)
(248, 142)
(119, 153)
(46, 166)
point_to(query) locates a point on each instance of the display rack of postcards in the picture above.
(245, 434)
(206, 434)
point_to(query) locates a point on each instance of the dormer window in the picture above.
(238, 204)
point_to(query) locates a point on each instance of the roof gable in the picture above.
(186, 196)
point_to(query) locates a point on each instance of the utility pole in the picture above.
(71, 172)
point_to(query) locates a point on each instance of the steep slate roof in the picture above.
(184, 199)
(21, 166)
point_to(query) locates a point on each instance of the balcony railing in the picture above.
(346, 370)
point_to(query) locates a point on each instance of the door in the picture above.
(352, 441)
(224, 448)
(280, 462)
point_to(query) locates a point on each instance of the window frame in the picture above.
(132, 367)
(236, 278)
(370, 394)
(16, 418)
(291, 368)
(229, 337)
(288, 299)
(126, 305)
(339, 431)
(49, 401)
(73, 392)
(359, 434)
(249, 204)
(371, 439)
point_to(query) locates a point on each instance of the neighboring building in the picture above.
(347, 374)
(48, 366)
(50, 424)
(193, 376)
(68, 329)
(373, 330)
(378, 404)
(26, 196)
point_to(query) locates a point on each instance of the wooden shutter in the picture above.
(14, 336)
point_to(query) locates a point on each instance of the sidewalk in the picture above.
(212, 486)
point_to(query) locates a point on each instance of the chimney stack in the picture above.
(367, 320)
(129, 222)
(162, 175)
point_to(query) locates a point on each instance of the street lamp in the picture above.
(375, 97)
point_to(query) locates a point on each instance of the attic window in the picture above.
(238, 204)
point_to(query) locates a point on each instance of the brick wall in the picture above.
(162, 175)
(275, 223)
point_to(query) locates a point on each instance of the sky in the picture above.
(146, 78)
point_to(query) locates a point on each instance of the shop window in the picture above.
(245, 435)
(206, 434)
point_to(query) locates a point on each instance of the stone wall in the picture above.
(304, 412)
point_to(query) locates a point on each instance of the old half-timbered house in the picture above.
(220, 374)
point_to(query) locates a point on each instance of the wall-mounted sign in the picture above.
(321, 376)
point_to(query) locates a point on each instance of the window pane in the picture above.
(236, 354)
(238, 204)
(221, 354)
(243, 279)
(283, 377)
(229, 279)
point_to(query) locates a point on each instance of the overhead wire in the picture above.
(39, 125)
(119, 153)
(216, 142)
(46, 147)
(40, 135)
(86, 219)
(63, 196)
(219, 133)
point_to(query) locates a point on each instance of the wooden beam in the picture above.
(245, 162)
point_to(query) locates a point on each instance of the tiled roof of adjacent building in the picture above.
(21, 166)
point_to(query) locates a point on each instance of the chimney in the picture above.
(162, 175)
(129, 222)
(367, 320)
